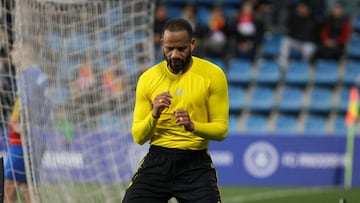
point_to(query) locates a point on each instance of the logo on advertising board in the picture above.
(261, 159)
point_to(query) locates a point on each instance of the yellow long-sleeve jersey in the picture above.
(202, 91)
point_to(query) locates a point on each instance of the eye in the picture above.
(169, 48)
(181, 48)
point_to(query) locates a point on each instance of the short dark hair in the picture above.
(178, 24)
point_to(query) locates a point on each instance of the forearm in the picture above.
(211, 131)
(142, 131)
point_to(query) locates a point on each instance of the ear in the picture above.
(162, 41)
(193, 42)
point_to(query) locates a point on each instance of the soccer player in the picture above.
(181, 104)
(14, 166)
(33, 86)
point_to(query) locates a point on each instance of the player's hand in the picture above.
(182, 118)
(161, 102)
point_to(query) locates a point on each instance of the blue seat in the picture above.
(339, 127)
(177, 2)
(219, 62)
(240, 71)
(271, 45)
(298, 72)
(315, 125)
(54, 40)
(237, 2)
(351, 72)
(77, 42)
(102, 63)
(320, 100)
(291, 99)
(67, 68)
(262, 99)
(343, 100)
(106, 42)
(233, 124)
(286, 124)
(268, 72)
(356, 23)
(353, 49)
(256, 124)
(236, 98)
(174, 11)
(326, 72)
(203, 13)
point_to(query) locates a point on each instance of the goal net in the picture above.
(77, 63)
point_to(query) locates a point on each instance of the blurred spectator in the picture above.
(349, 6)
(113, 78)
(300, 35)
(279, 15)
(189, 13)
(85, 94)
(218, 33)
(7, 85)
(249, 32)
(114, 82)
(335, 33)
(262, 14)
(161, 16)
(246, 33)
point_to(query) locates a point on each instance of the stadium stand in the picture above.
(254, 86)
(315, 125)
(298, 73)
(236, 98)
(262, 99)
(286, 124)
(268, 72)
(240, 71)
(326, 72)
(351, 72)
(256, 124)
(291, 99)
(271, 45)
(320, 100)
(304, 97)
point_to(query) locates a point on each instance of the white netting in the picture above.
(77, 64)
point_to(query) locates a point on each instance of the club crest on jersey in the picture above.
(178, 92)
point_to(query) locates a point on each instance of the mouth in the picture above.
(176, 62)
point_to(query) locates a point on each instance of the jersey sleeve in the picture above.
(143, 122)
(218, 107)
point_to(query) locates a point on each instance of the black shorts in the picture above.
(187, 175)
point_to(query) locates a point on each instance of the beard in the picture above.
(177, 64)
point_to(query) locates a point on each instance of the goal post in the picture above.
(77, 63)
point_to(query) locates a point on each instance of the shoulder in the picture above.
(205, 66)
(153, 70)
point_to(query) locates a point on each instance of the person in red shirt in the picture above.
(15, 176)
(335, 34)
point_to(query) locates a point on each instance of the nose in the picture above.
(175, 54)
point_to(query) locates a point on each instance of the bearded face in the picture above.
(178, 64)
(177, 48)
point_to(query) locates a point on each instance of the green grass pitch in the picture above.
(289, 194)
(230, 194)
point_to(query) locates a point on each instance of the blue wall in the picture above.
(245, 160)
(283, 160)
